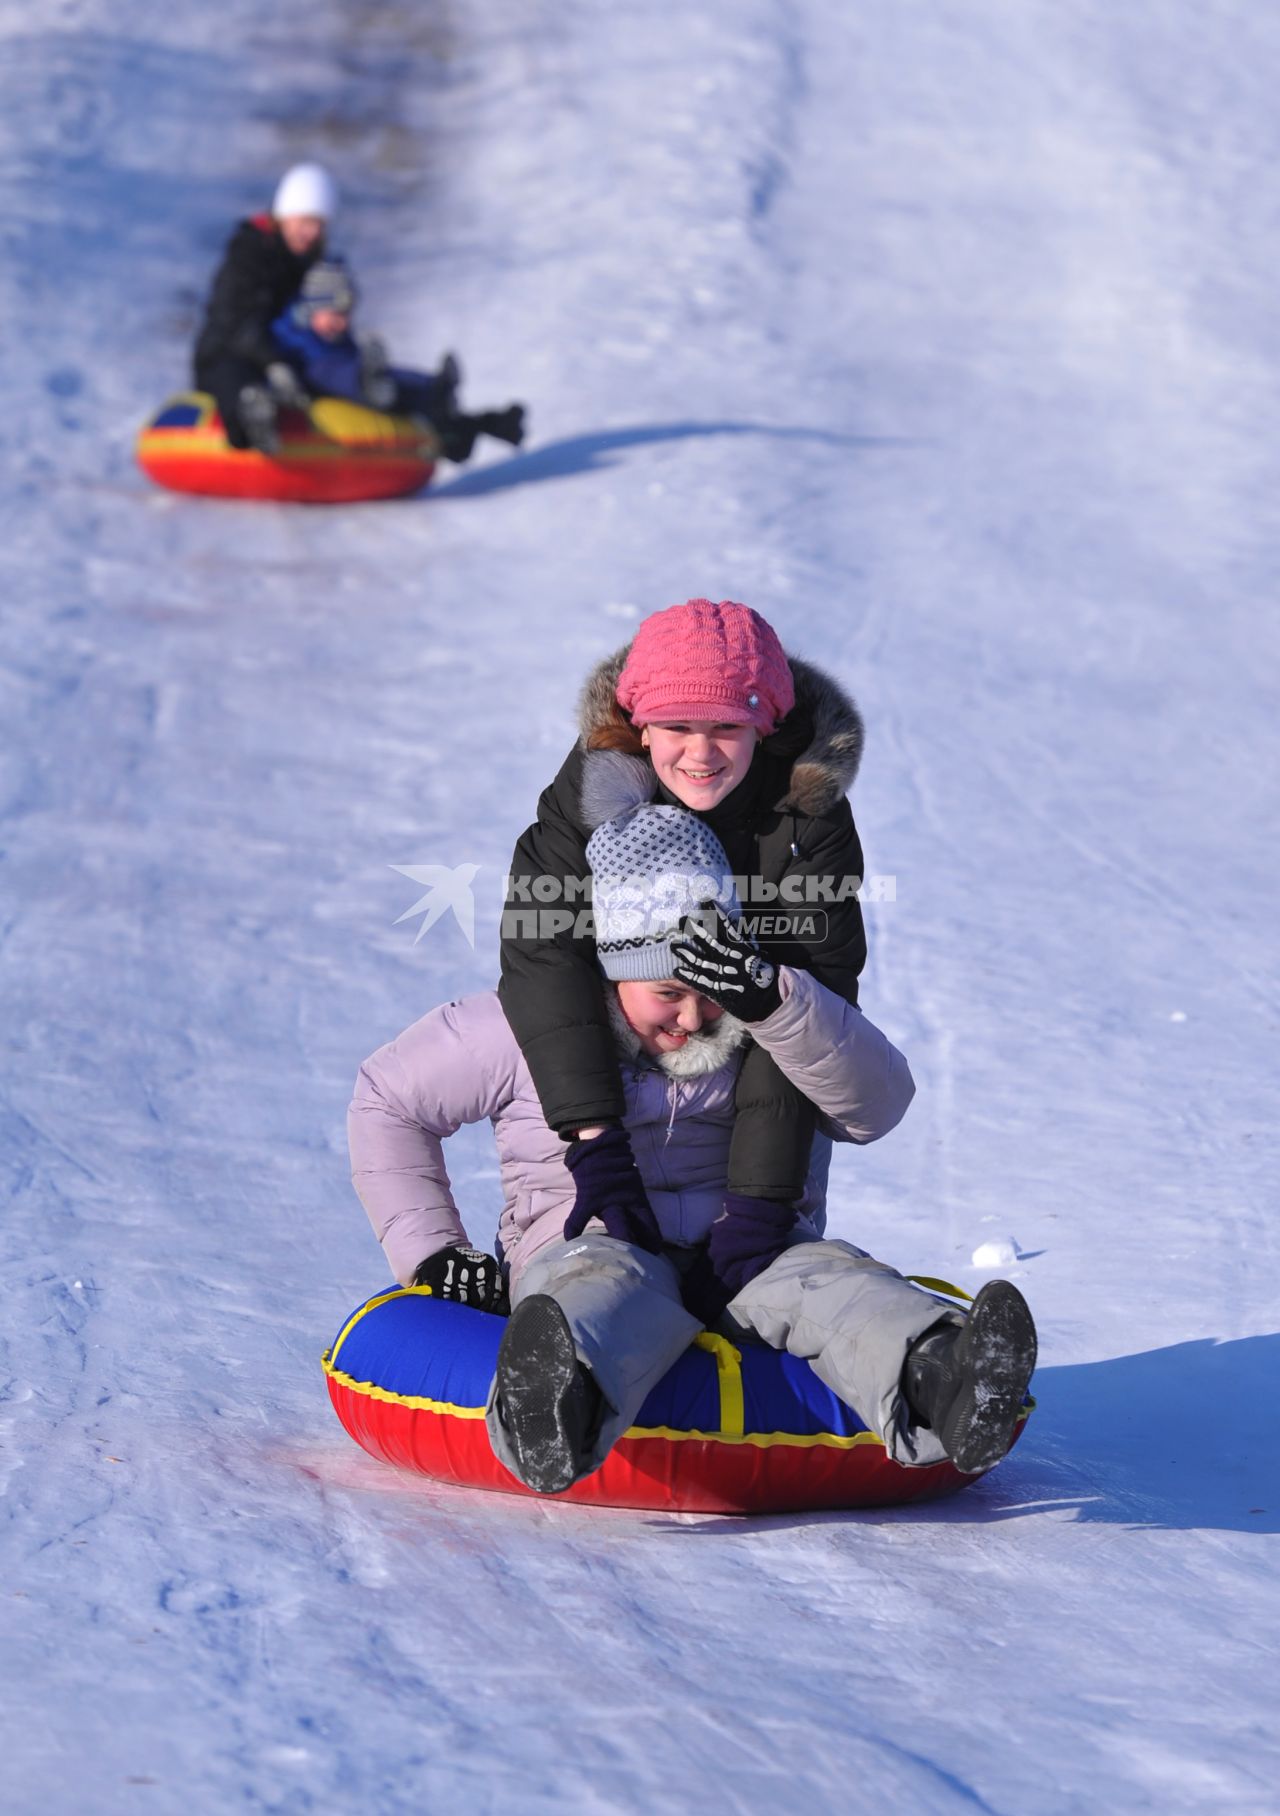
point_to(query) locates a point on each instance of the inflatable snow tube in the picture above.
(337, 453)
(724, 1431)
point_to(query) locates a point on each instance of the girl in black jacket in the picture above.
(703, 710)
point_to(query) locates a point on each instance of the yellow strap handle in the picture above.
(728, 1360)
(940, 1286)
(733, 1417)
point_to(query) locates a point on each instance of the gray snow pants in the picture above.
(850, 1317)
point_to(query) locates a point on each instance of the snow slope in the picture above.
(946, 336)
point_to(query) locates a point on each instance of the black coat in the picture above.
(787, 818)
(258, 277)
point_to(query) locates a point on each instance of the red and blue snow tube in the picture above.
(335, 453)
(724, 1431)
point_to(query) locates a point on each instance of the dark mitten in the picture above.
(714, 958)
(465, 1274)
(373, 354)
(748, 1234)
(378, 388)
(610, 1188)
(286, 387)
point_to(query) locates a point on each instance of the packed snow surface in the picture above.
(944, 334)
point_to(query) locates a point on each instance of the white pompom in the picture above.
(613, 783)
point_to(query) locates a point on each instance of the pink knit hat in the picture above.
(706, 661)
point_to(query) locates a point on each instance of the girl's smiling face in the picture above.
(665, 1015)
(700, 760)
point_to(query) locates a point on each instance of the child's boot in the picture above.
(458, 437)
(503, 425)
(967, 1381)
(458, 433)
(444, 398)
(547, 1401)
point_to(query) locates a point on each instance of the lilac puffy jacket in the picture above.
(461, 1064)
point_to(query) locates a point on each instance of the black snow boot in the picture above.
(458, 434)
(547, 1400)
(967, 1381)
(503, 425)
(458, 437)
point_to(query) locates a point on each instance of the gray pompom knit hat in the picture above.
(328, 285)
(650, 868)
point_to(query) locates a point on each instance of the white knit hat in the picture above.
(650, 868)
(306, 189)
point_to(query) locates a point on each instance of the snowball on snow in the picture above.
(1002, 1252)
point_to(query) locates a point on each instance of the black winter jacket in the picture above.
(258, 277)
(787, 818)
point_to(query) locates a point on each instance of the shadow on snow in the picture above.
(593, 453)
(1177, 1439)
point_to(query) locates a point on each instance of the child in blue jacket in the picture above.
(314, 334)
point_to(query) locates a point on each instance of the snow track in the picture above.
(945, 335)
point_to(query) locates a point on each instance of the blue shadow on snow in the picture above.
(592, 453)
(1178, 1439)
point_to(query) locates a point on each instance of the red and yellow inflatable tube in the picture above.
(336, 453)
(724, 1431)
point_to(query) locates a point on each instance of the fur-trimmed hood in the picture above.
(822, 737)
